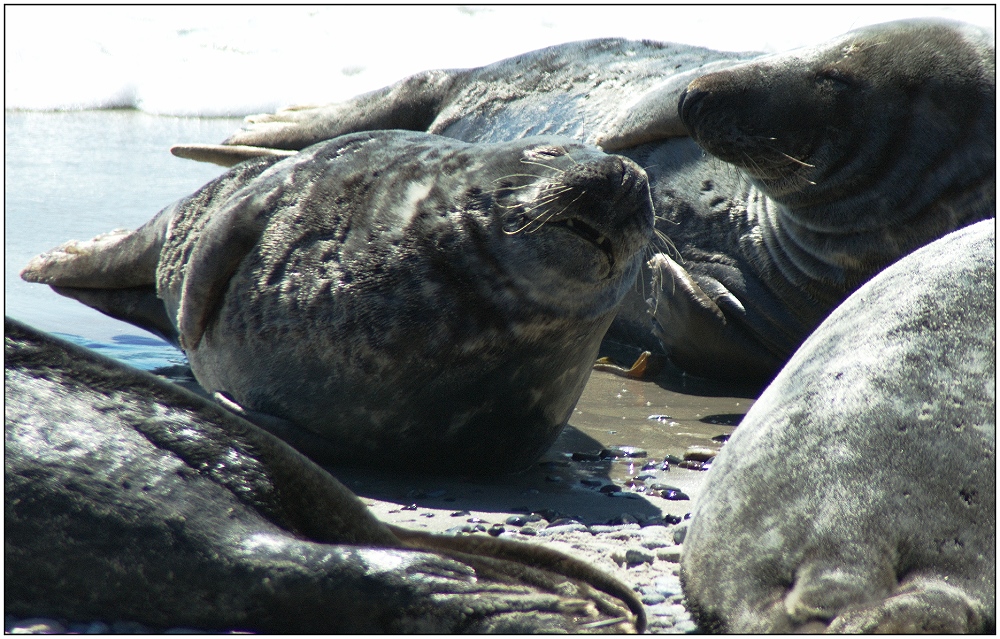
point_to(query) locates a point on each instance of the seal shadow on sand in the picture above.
(531, 490)
(556, 483)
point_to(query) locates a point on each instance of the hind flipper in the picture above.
(118, 259)
(224, 155)
(411, 104)
(138, 306)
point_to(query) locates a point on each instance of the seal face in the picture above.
(859, 492)
(398, 296)
(128, 498)
(828, 164)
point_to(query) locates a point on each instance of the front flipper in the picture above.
(231, 233)
(698, 324)
(410, 104)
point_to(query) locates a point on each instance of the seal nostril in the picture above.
(689, 103)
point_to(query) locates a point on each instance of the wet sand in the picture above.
(622, 532)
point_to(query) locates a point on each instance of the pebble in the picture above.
(528, 530)
(658, 521)
(610, 488)
(549, 531)
(410, 507)
(614, 452)
(625, 495)
(516, 520)
(563, 521)
(632, 557)
(668, 586)
(461, 513)
(691, 464)
(36, 626)
(672, 554)
(495, 530)
(728, 419)
(586, 457)
(673, 495)
(679, 533)
(549, 514)
(623, 519)
(700, 453)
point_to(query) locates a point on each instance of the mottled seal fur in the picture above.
(126, 497)
(859, 493)
(827, 164)
(392, 298)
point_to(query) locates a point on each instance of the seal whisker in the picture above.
(555, 214)
(543, 165)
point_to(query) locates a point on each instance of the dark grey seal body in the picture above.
(126, 497)
(392, 298)
(827, 164)
(859, 493)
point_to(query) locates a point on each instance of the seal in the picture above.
(127, 497)
(387, 297)
(859, 492)
(826, 165)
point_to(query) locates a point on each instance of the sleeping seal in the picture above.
(859, 493)
(126, 497)
(826, 164)
(391, 297)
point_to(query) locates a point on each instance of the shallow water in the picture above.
(75, 175)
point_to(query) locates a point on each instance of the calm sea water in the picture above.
(75, 175)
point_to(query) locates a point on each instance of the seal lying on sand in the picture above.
(390, 295)
(127, 497)
(829, 164)
(859, 493)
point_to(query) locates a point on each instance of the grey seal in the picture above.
(387, 297)
(859, 493)
(127, 497)
(826, 164)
